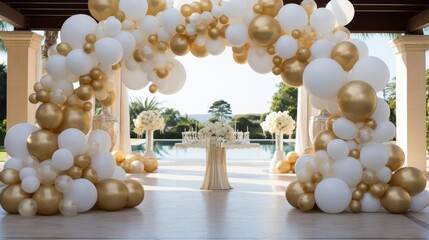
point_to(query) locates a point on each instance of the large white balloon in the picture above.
(332, 106)
(419, 201)
(108, 51)
(369, 203)
(286, 47)
(322, 20)
(344, 128)
(372, 70)
(361, 46)
(73, 140)
(338, 149)
(104, 164)
(133, 9)
(321, 49)
(332, 195)
(149, 25)
(135, 79)
(62, 159)
(112, 26)
(127, 42)
(302, 161)
(78, 62)
(75, 29)
(170, 18)
(237, 34)
(57, 67)
(175, 80)
(349, 170)
(119, 173)
(373, 156)
(292, 16)
(318, 103)
(343, 11)
(259, 60)
(323, 78)
(384, 132)
(382, 111)
(27, 172)
(215, 47)
(13, 163)
(30, 184)
(65, 86)
(102, 138)
(384, 174)
(84, 193)
(234, 9)
(15, 140)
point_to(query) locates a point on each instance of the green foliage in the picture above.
(251, 122)
(389, 93)
(221, 110)
(2, 131)
(285, 99)
(171, 117)
(138, 105)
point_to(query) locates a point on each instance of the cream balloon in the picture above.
(75, 29)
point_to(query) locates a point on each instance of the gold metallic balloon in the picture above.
(283, 166)
(346, 54)
(90, 38)
(309, 6)
(277, 70)
(153, 88)
(155, 6)
(396, 200)
(102, 9)
(33, 98)
(112, 194)
(90, 174)
(152, 39)
(181, 29)
(322, 139)
(354, 153)
(75, 117)
(180, 45)
(377, 190)
(38, 86)
(87, 106)
(85, 79)
(306, 201)
(126, 165)
(355, 206)
(214, 33)
(48, 199)
(357, 100)
(82, 161)
(396, 156)
(240, 59)
(271, 50)
(64, 48)
(241, 49)
(293, 192)
(196, 7)
(163, 47)
(201, 29)
(49, 116)
(369, 177)
(11, 196)
(223, 19)
(43, 95)
(96, 74)
(293, 68)
(409, 178)
(138, 56)
(206, 5)
(120, 15)
(270, 7)
(199, 51)
(9, 176)
(309, 187)
(109, 100)
(85, 92)
(135, 193)
(316, 177)
(357, 194)
(296, 34)
(97, 85)
(42, 144)
(264, 30)
(75, 172)
(292, 156)
(186, 10)
(362, 187)
(309, 150)
(88, 48)
(150, 164)
(119, 156)
(162, 72)
(371, 123)
(258, 8)
(277, 61)
(303, 53)
(134, 156)
(116, 66)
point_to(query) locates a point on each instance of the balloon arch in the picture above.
(59, 166)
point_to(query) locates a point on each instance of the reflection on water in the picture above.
(164, 149)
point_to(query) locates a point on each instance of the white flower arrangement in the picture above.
(218, 130)
(279, 122)
(148, 120)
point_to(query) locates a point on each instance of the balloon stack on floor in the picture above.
(135, 162)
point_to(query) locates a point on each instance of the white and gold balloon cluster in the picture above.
(135, 162)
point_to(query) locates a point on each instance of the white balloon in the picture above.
(57, 67)
(64, 183)
(323, 78)
(321, 48)
(338, 149)
(373, 71)
(318, 103)
(419, 201)
(164, 35)
(234, 9)
(119, 173)
(382, 111)
(175, 80)
(349, 170)
(133, 9)
(62, 159)
(127, 42)
(286, 47)
(384, 132)
(78, 62)
(343, 11)
(302, 161)
(259, 60)
(65, 86)
(237, 34)
(322, 20)
(52, 50)
(195, 18)
(13, 163)
(170, 18)
(373, 156)
(112, 26)
(104, 164)
(216, 10)
(15, 140)
(344, 128)
(332, 195)
(292, 16)
(149, 25)
(73, 140)
(84, 193)
(138, 36)
(30, 184)
(332, 106)
(131, 64)
(384, 174)
(361, 46)
(304, 175)
(108, 51)
(134, 80)
(102, 138)
(351, 144)
(369, 203)
(27, 172)
(215, 47)
(75, 29)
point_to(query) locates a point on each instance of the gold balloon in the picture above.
(309, 6)
(179, 45)
(316, 177)
(87, 106)
(9, 176)
(264, 30)
(309, 150)
(134, 156)
(277, 61)
(82, 161)
(199, 51)
(322, 139)
(293, 192)
(152, 39)
(90, 38)
(135, 193)
(47, 198)
(85, 92)
(309, 187)
(396, 200)
(206, 5)
(186, 10)
(271, 7)
(33, 98)
(163, 47)
(271, 50)
(409, 178)
(112, 195)
(49, 116)
(138, 56)
(38, 86)
(369, 177)
(377, 190)
(88, 48)
(43, 95)
(90, 174)
(355, 206)
(258, 8)
(292, 156)
(155, 6)
(371, 123)
(303, 53)
(109, 100)
(223, 19)
(396, 156)
(201, 29)
(75, 172)
(357, 194)
(196, 7)
(354, 153)
(306, 202)
(296, 33)
(11, 196)
(63, 49)
(241, 50)
(153, 88)
(42, 144)
(346, 54)
(277, 70)
(357, 100)
(150, 164)
(119, 156)
(126, 165)
(102, 9)
(181, 29)
(240, 59)
(162, 72)
(75, 117)
(362, 187)
(85, 79)
(282, 166)
(214, 22)
(96, 74)
(214, 33)
(293, 69)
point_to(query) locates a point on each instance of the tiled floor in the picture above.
(175, 208)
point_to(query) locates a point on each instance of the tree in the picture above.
(171, 117)
(3, 91)
(50, 39)
(285, 99)
(3, 26)
(389, 94)
(221, 110)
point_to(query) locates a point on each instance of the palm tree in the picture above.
(138, 105)
(171, 117)
(3, 27)
(50, 39)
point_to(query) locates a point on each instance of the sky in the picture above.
(220, 77)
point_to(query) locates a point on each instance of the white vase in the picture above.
(279, 154)
(317, 124)
(149, 144)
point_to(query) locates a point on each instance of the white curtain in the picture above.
(304, 113)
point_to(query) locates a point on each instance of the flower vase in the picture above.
(149, 145)
(279, 154)
(317, 124)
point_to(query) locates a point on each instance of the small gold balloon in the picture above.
(309, 150)
(116, 66)
(277, 61)
(196, 7)
(240, 59)
(283, 166)
(43, 95)
(152, 39)
(223, 30)
(322, 139)
(38, 86)
(354, 153)
(85, 92)
(303, 53)
(214, 22)
(296, 33)
(330, 121)
(85, 79)
(97, 85)
(199, 51)
(355, 206)
(377, 190)
(119, 156)
(396, 200)
(9, 176)
(153, 88)
(126, 165)
(223, 19)
(49, 116)
(395, 155)
(264, 30)
(179, 44)
(150, 164)
(371, 123)
(33, 98)
(181, 29)
(134, 156)
(135, 193)
(357, 194)
(90, 38)
(293, 192)
(155, 6)
(64, 48)
(306, 202)
(409, 178)
(138, 56)
(240, 50)
(96, 74)
(271, 50)
(309, 187)
(270, 7)
(11, 196)
(346, 54)
(88, 48)
(42, 144)
(75, 172)
(362, 187)
(162, 72)
(82, 161)
(186, 10)
(112, 195)
(357, 100)
(293, 69)
(75, 117)
(369, 177)
(214, 33)
(107, 102)
(90, 174)
(206, 5)
(277, 70)
(102, 9)
(316, 177)
(201, 28)
(163, 47)
(47, 198)
(258, 8)
(309, 6)
(292, 156)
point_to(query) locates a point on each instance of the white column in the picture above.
(411, 98)
(303, 115)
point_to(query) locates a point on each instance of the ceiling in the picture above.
(372, 16)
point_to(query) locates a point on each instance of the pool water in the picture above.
(164, 149)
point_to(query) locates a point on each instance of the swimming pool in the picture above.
(164, 149)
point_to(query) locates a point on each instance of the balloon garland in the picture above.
(59, 165)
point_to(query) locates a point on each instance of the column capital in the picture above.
(410, 43)
(21, 39)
